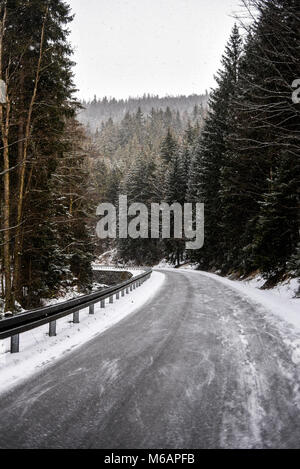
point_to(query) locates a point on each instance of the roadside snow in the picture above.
(69, 294)
(131, 270)
(287, 289)
(108, 257)
(39, 350)
(167, 264)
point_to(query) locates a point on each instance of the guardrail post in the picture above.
(131, 288)
(123, 292)
(92, 309)
(118, 295)
(102, 304)
(127, 290)
(15, 344)
(52, 329)
(76, 317)
(111, 299)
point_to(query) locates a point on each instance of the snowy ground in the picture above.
(69, 294)
(133, 270)
(107, 258)
(288, 289)
(39, 350)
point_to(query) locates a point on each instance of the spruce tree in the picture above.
(140, 185)
(175, 192)
(209, 154)
(37, 59)
(169, 147)
(260, 178)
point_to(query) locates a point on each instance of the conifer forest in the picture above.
(235, 148)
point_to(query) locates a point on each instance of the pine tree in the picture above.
(260, 180)
(209, 153)
(140, 185)
(277, 228)
(175, 192)
(169, 147)
(37, 61)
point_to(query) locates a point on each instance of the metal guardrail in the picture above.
(12, 327)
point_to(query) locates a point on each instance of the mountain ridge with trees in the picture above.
(97, 112)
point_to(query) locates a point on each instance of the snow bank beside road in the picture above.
(287, 289)
(39, 350)
(134, 272)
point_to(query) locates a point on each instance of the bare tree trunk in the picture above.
(21, 122)
(2, 285)
(4, 123)
(6, 208)
(22, 172)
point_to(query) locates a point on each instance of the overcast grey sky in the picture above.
(130, 47)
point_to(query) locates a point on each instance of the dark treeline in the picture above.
(244, 164)
(97, 112)
(45, 240)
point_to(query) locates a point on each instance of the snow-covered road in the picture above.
(198, 366)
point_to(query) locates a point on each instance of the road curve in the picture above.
(198, 366)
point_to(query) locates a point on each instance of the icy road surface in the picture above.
(198, 366)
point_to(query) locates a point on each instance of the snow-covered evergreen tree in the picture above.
(210, 150)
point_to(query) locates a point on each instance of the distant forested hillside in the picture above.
(99, 111)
